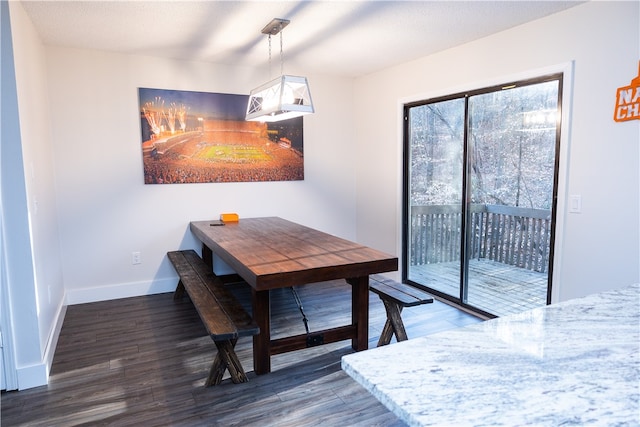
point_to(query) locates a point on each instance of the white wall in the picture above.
(35, 285)
(106, 211)
(600, 248)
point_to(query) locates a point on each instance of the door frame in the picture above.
(561, 201)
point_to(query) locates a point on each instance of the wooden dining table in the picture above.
(271, 252)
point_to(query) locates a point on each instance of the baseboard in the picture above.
(38, 375)
(32, 376)
(120, 290)
(53, 339)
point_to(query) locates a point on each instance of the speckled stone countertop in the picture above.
(571, 363)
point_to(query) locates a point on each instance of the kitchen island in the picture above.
(570, 363)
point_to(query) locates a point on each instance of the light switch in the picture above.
(575, 203)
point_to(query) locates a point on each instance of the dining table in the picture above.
(271, 252)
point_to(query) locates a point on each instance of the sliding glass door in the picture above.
(480, 176)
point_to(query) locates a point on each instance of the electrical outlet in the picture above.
(135, 258)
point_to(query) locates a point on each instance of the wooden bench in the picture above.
(221, 313)
(395, 296)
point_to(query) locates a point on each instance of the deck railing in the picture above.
(506, 234)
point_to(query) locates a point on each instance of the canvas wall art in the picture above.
(197, 137)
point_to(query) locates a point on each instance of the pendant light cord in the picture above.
(269, 78)
(281, 54)
(280, 31)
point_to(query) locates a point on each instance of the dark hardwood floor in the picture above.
(142, 361)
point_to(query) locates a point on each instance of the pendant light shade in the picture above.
(280, 99)
(283, 98)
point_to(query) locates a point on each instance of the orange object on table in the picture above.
(229, 217)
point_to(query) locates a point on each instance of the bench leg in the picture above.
(226, 358)
(393, 325)
(179, 292)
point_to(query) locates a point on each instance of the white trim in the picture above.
(38, 375)
(9, 372)
(563, 177)
(566, 69)
(32, 376)
(53, 338)
(120, 290)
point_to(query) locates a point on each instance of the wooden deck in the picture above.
(494, 287)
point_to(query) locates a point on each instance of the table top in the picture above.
(272, 252)
(571, 363)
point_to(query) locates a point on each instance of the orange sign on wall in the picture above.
(628, 101)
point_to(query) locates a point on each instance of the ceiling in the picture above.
(349, 38)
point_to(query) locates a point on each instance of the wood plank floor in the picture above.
(494, 287)
(142, 362)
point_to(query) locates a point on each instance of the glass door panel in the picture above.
(435, 133)
(512, 151)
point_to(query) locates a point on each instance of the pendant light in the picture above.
(283, 98)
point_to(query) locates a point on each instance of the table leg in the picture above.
(262, 341)
(207, 255)
(360, 312)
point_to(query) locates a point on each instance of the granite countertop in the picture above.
(571, 363)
